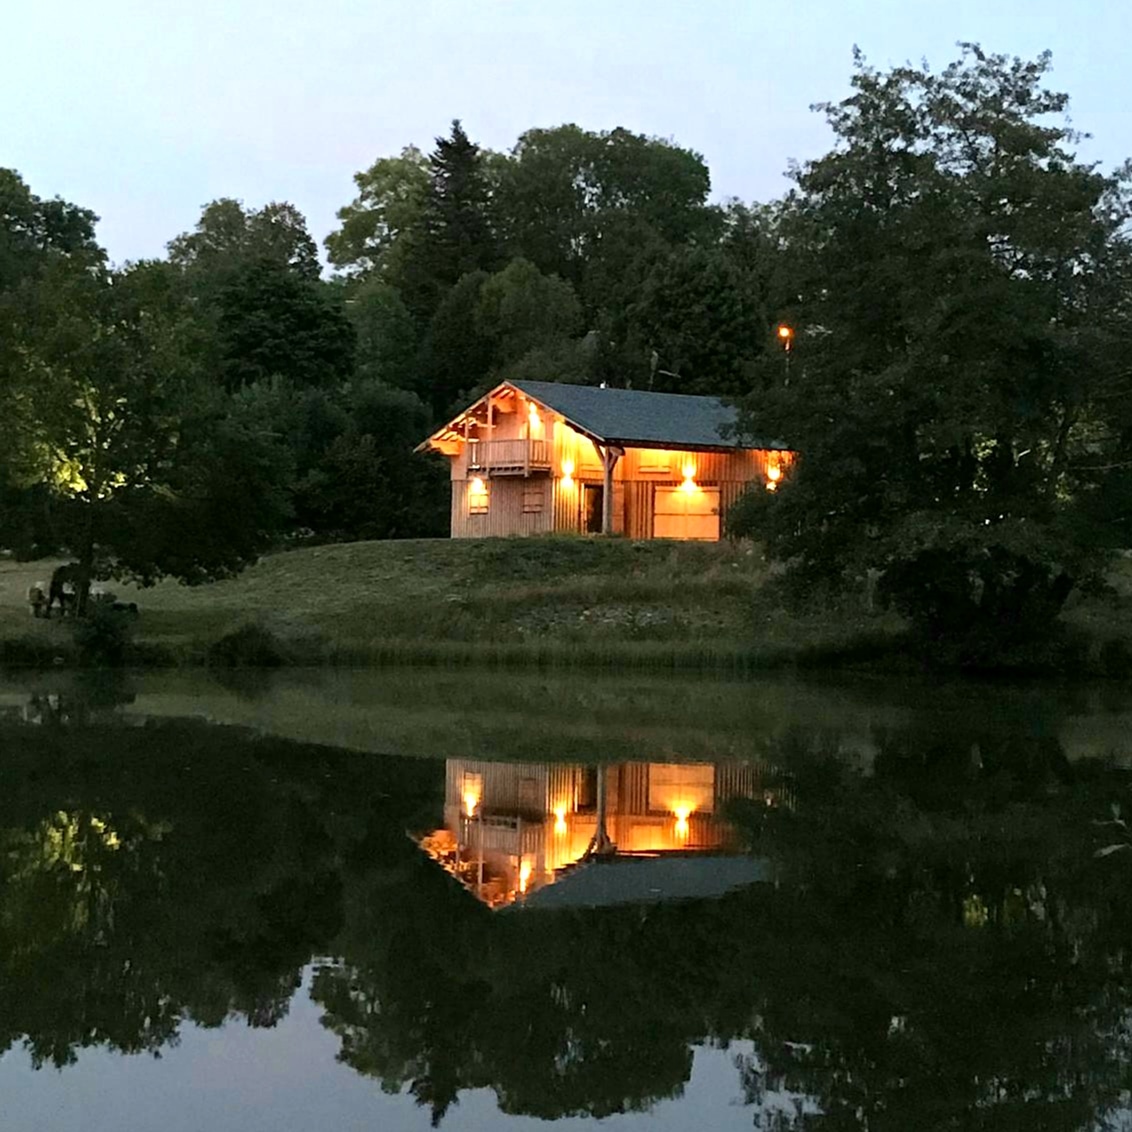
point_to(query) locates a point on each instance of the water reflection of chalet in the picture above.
(511, 829)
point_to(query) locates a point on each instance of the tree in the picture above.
(271, 322)
(456, 235)
(959, 276)
(562, 186)
(386, 335)
(228, 235)
(378, 225)
(521, 310)
(148, 472)
(703, 320)
(38, 239)
(456, 355)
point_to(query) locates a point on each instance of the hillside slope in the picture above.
(491, 598)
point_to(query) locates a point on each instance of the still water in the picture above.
(477, 901)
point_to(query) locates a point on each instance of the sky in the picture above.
(145, 110)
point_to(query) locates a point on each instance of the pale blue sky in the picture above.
(144, 110)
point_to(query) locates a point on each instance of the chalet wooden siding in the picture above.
(520, 468)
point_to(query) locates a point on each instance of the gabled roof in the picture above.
(640, 419)
(648, 880)
(630, 418)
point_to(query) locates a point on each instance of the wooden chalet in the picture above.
(536, 457)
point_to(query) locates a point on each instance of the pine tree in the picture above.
(456, 233)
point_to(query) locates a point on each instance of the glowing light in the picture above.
(773, 472)
(524, 874)
(689, 471)
(476, 486)
(682, 813)
(560, 820)
(785, 334)
(471, 801)
(534, 420)
(567, 472)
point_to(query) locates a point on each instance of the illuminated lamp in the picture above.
(560, 820)
(471, 800)
(524, 874)
(689, 484)
(773, 474)
(477, 487)
(785, 335)
(533, 419)
(682, 813)
(567, 472)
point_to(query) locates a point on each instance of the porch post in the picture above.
(609, 458)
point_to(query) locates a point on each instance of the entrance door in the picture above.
(592, 496)
(686, 514)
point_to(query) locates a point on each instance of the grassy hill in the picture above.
(545, 600)
(555, 600)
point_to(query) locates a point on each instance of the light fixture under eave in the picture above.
(682, 813)
(560, 820)
(773, 474)
(567, 472)
(689, 471)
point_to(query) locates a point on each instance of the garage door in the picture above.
(686, 514)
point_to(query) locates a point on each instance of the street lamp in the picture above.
(785, 334)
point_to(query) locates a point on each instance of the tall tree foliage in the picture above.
(962, 316)
(455, 235)
(379, 224)
(147, 471)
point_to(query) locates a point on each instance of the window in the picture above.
(478, 496)
(533, 500)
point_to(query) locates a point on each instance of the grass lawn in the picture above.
(557, 599)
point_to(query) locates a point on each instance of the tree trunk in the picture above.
(86, 564)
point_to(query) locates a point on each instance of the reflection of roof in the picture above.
(647, 880)
(641, 418)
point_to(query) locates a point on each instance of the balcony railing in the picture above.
(509, 457)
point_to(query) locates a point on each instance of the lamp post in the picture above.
(786, 338)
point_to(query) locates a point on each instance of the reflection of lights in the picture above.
(524, 874)
(567, 472)
(682, 813)
(560, 820)
(689, 471)
(773, 473)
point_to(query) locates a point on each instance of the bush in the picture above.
(250, 646)
(104, 636)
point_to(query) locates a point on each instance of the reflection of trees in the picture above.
(953, 953)
(943, 951)
(154, 875)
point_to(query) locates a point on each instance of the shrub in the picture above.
(104, 636)
(249, 646)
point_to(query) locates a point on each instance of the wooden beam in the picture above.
(609, 458)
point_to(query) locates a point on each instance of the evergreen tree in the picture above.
(456, 236)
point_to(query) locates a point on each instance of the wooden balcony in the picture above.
(509, 457)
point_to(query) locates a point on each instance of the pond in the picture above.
(480, 900)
